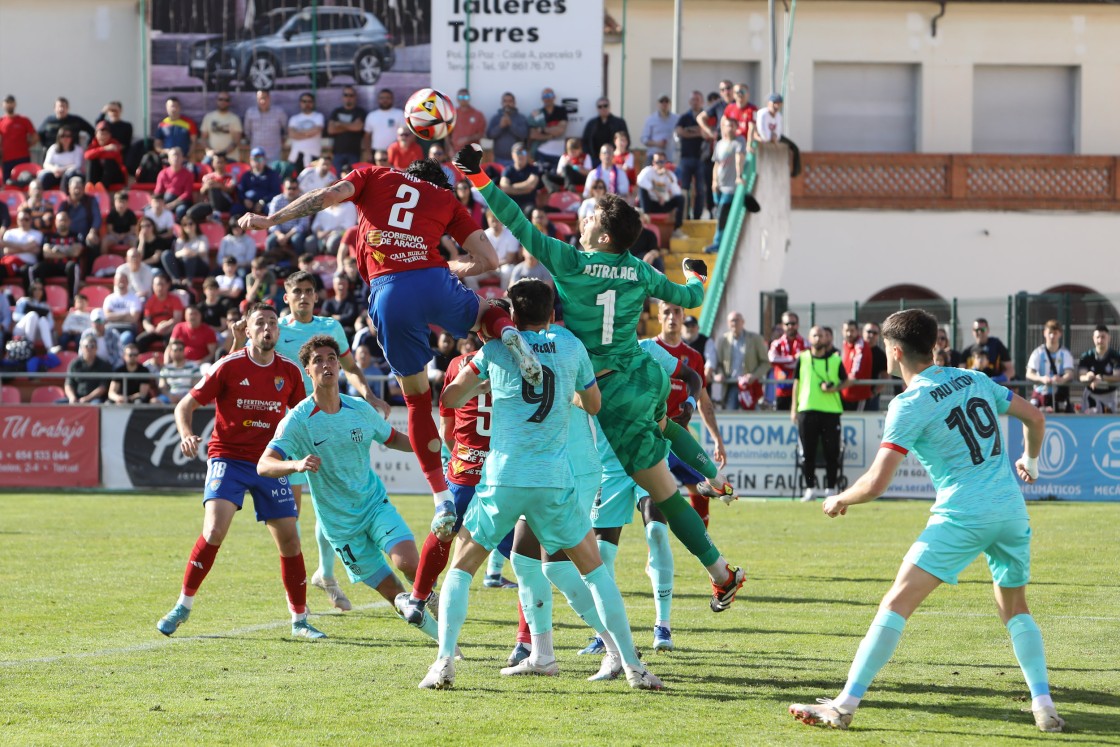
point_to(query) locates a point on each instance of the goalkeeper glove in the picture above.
(696, 268)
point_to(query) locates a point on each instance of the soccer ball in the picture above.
(429, 114)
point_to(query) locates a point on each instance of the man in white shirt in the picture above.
(317, 176)
(768, 121)
(659, 192)
(612, 175)
(20, 246)
(382, 122)
(329, 226)
(139, 274)
(305, 132)
(123, 308)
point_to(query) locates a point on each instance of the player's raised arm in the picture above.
(690, 295)
(466, 386)
(482, 256)
(304, 205)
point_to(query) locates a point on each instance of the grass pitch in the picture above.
(83, 579)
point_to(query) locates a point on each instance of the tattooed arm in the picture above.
(306, 204)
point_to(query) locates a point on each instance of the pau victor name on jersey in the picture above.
(956, 384)
(610, 272)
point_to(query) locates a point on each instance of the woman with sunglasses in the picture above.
(63, 160)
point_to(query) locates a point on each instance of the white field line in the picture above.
(172, 640)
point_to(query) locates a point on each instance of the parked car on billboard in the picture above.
(287, 42)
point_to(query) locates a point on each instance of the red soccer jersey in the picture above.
(196, 342)
(678, 390)
(14, 130)
(251, 401)
(744, 116)
(159, 310)
(401, 220)
(471, 432)
(858, 363)
(783, 354)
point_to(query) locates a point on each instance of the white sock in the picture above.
(443, 495)
(186, 601)
(298, 616)
(542, 648)
(663, 624)
(846, 701)
(1042, 701)
(608, 642)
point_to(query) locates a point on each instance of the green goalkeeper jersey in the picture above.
(603, 293)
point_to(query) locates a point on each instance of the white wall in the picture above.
(85, 50)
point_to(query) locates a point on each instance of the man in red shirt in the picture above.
(17, 135)
(859, 363)
(176, 183)
(199, 340)
(783, 354)
(405, 150)
(741, 110)
(162, 311)
(253, 389)
(401, 218)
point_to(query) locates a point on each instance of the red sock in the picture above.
(433, 559)
(700, 504)
(199, 564)
(422, 433)
(294, 574)
(523, 634)
(494, 320)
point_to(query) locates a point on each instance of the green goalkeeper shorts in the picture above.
(633, 405)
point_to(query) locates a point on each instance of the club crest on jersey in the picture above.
(373, 237)
(214, 485)
(279, 382)
(357, 436)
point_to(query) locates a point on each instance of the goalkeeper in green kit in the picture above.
(604, 289)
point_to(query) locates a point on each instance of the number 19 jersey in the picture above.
(529, 427)
(949, 418)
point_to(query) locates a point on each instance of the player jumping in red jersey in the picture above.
(253, 389)
(401, 218)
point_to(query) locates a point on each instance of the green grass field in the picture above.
(83, 579)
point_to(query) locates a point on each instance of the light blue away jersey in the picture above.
(529, 425)
(611, 466)
(949, 419)
(293, 334)
(345, 490)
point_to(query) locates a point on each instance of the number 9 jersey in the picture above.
(401, 220)
(949, 419)
(471, 432)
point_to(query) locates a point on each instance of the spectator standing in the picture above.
(123, 307)
(404, 150)
(287, 238)
(1051, 368)
(190, 256)
(522, 179)
(382, 123)
(265, 126)
(109, 346)
(48, 130)
(81, 388)
(17, 135)
(659, 192)
(709, 121)
(305, 133)
(176, 130)
(470, 123)
(989, 354)
(21, 246)
(63, 160)
(161, 313)
(61, 256)
(507, 127)
(657, 132)
(741, 364)
(817, 378)
(127, 390)
(600, 129)
(548, 125)
(729, 157)
(742, 111)
(346, 124)
(768, 121)
(1099, 370)
(258, 185)
(859, 361)
(783, 357)
(872, 339)
(199, 340)
(699, 342)
(176, 183)
(690, 172)
(221, 128)
(119, 129)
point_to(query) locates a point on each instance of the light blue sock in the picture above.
(494, 565)
(874, 652)
(326, 552)
(1026, 640)
(534, 592)
(660, 570)
(453, 599)
(608, 602)
(430, 627)
(607, 551)
(565, 577)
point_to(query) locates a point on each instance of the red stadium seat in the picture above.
(258, 236)
(24, 168)
(15, 292)
(46, 395)
(54, 198)
(138, 200)
(95, 294)
(236, 168)
(9, 395)
(488, 292)
(58, 298)
(214, 233)
(106, 262)
(563, 230)
(565, 201)
(64, 358)
(13, 198)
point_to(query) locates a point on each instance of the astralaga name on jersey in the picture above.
(610, 272)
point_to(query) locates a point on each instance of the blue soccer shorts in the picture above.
(685, 475)
(945, 548)
(229, 479)
(402, 305)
